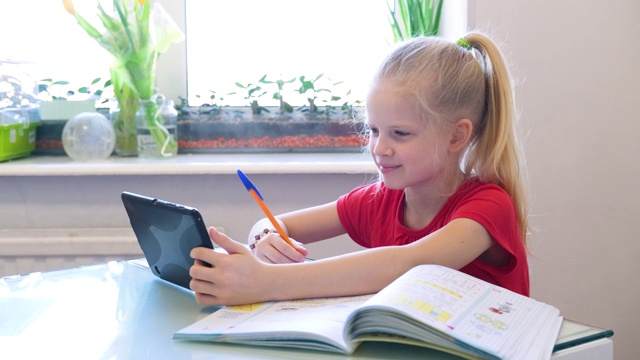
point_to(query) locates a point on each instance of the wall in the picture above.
(49, 222)
(577, 68)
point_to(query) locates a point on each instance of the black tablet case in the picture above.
(166, 233)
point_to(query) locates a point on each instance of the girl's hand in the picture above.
(272, 249)
(234, 278)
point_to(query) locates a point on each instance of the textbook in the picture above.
(430, 306)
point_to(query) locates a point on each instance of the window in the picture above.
(49, 42)
(241, 41)
(227, 41)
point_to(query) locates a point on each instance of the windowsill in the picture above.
(193, 164)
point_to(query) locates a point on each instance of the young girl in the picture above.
(441, 132)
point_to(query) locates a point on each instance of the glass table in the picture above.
(120, 310)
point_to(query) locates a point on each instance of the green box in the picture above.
(17, 140)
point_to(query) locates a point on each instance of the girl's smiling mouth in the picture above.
(387, 168)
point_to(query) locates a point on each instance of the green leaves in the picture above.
(285, 107)
(92, 31)
(61, 89)
(127, 36)
(411, 18)
(307, 85)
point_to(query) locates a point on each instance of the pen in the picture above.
(253, 190)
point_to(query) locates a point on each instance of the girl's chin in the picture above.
(390, 183)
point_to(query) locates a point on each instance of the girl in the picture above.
(441, 132)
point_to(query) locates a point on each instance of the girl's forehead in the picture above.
(387, 97)
(385, 101)
(387, 88)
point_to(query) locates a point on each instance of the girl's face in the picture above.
(407, 152)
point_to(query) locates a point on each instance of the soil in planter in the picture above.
(49, 138)
(198, 136)
(276, 136)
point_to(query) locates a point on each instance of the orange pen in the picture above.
(258, 198)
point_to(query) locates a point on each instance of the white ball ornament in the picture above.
(88, 136)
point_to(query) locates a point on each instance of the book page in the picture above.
(485, 316)
(309, 323)
(434, 295)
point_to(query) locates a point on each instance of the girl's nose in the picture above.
(380, 146)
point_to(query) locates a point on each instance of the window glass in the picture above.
(227, 42)
(241, 41)
(42, 35)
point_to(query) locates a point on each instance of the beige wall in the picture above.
(577, 64)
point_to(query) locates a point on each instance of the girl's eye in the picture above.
(372, 130)
(400, 133)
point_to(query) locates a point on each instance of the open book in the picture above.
(430, 305)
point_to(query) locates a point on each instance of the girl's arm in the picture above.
(303, 227)
(240, 278)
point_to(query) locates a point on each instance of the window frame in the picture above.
(171, 70)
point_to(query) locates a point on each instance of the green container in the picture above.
(17, 133)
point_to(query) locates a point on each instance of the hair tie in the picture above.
(462, 42)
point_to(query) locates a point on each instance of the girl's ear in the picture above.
(461, 135)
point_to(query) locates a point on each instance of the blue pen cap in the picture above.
(248, 184)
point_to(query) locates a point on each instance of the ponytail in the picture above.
(494, 154)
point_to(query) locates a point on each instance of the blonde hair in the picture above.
(451, 82)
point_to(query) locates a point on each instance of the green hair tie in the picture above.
(462, 42)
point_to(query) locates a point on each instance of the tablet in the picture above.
(166, 233)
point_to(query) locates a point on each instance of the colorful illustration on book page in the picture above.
(428, 309)
(434, 295)
(504, 308)
(486, 324)
(246, 308)
(492, 321)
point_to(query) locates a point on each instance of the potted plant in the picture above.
(135, 34)
(254, 93)
(308, 88)
(254, 128)
(284, 107)
(409, 18)
(58, 102)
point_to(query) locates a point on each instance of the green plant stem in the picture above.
(159, 136)
(125, 124)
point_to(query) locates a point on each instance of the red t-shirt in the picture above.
(373, 216)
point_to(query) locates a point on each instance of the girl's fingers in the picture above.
(229, 245)
(272, 249)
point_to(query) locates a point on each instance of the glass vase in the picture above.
(123, 117)
(157, 128)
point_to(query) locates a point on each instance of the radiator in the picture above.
(27, 251)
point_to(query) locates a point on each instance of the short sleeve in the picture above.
(493, 208)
